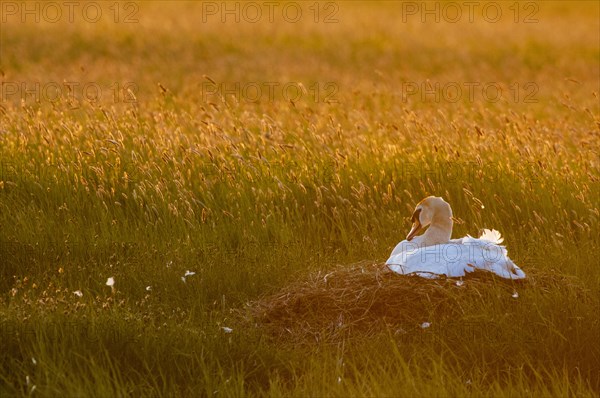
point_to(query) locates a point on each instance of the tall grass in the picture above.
(255, 196)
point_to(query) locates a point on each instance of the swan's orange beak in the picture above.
(416, 227)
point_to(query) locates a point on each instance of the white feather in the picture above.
(492, 236)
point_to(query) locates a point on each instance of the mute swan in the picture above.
(433, 253)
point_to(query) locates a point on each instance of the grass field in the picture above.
(279, 159)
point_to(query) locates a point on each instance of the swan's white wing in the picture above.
(454, 259)
(488, 256)
(431, 261)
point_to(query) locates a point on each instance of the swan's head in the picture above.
(430, 210)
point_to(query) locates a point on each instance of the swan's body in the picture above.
(434, 254)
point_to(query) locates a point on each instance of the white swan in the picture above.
(434, 254)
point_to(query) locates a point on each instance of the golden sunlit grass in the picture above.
(170, 239)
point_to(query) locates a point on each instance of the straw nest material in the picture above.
(365, 298)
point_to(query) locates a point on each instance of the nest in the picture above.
(366, 298)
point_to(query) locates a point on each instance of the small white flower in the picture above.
(33, 361)
(515, 295)
(148, 288)
(110, 282)
(78, 293)
(226, 329)
(425, 325)
(459, 283)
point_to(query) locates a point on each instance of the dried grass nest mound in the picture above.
(365, 298)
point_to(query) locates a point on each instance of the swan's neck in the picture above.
(440, 230)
